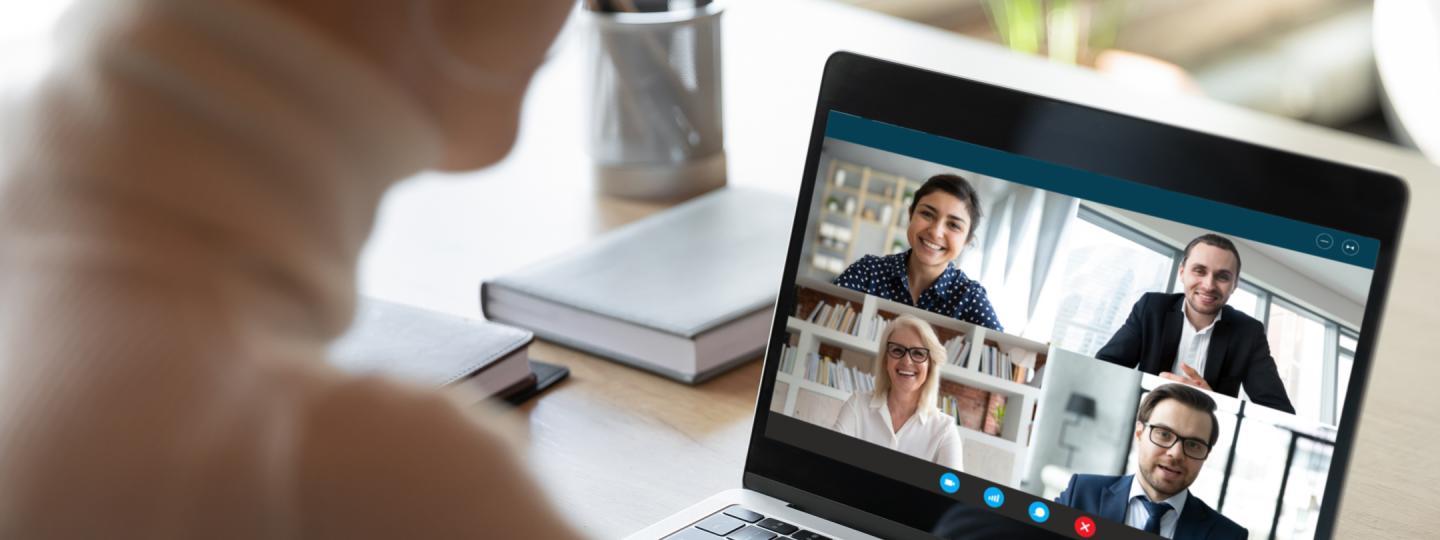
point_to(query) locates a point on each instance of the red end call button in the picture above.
(1085, 527)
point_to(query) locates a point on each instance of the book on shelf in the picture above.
(1025, 365)
(836, 374)
(871, 327)
(814, 311)
(686, 293)
(957, 350)
(835, 315)
(969, 403)
(1015, 365)
(973, 408)
(787, 358)
(844, 318)
(950, 406)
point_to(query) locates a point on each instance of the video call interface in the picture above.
(1054, 341)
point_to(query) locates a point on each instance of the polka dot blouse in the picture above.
(952, 295)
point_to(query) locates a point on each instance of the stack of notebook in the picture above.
(485, 359)
(686, 293)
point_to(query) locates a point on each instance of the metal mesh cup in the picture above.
(655, 117)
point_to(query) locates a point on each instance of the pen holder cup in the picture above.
(655, 117)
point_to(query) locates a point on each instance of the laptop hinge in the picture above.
(837, 512)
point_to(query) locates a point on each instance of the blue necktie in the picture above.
(1157, 512)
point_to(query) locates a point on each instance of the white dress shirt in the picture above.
(1136, 515)
(1194, 343)
(929, 434)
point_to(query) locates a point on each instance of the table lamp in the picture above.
(1079, 407)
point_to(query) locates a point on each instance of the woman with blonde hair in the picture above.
(901, 414)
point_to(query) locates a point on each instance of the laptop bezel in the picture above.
(1270, 180)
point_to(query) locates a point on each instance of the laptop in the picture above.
(1008, 316)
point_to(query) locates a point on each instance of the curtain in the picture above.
(1014, 252)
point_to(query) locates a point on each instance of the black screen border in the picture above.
(1269, 180)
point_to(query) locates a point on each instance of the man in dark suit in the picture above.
(1194, 338)
(1175, 428)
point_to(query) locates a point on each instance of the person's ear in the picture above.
(1139, 430)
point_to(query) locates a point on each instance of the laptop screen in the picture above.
(1061, 350)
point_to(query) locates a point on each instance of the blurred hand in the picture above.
(1191, 377)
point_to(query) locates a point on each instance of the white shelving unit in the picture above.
(865, 212)
(996, 458)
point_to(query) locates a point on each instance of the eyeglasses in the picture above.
(1164, 438)
(918, 355)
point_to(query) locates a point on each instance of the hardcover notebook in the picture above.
(436, 349)
(686, 293)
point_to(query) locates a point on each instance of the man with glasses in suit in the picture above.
(1175, 429)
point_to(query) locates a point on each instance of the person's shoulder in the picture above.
(1088, 482)
(372, 428)
(875, 260)
(860, 275)
(941, 423)
(1240, 319)
(1224, 527)
(383, 412)
(1158, 302)
(1159, 299)
(888, 263)
(972, 286)
(857, 401)
(1084, 490)
(1227, 528)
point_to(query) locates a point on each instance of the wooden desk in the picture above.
(620, 448)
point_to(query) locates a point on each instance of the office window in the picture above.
(1250, 300)
(1298, 344)
(1255, 477)
(1309, 470)
(1107, 267)
(1345, 361)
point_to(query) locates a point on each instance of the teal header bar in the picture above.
(1222, 218)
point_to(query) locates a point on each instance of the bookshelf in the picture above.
(862, 211)
(994, 452)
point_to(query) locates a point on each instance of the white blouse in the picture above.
(929, 434)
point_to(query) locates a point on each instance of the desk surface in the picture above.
(619, 449)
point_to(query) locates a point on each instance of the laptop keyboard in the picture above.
(738, 523)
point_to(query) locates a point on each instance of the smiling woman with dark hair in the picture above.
(943, 216)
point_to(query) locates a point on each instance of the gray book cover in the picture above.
(431, 348)
(683, 272)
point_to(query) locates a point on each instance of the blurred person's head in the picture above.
(943, 215)
(909, 360)
(467, 62)
(1175, 428)
(1209, 273)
